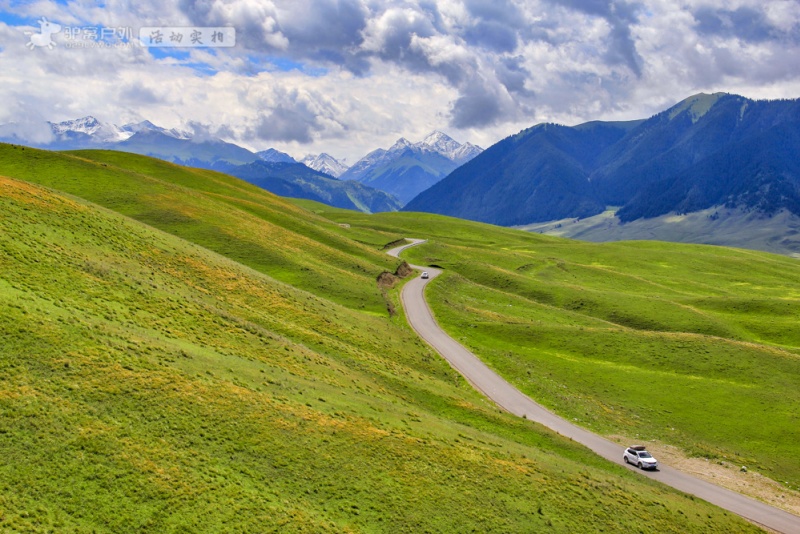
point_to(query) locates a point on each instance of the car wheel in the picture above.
(640, 465)
(625, 459)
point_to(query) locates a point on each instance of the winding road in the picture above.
(514, 401)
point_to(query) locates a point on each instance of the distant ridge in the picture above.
(296, 180)
(707, 150)
(270, 169)
(406, 168)
(271, 155)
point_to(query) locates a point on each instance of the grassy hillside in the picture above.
(691, 345)
(148, 384)
(219, 212)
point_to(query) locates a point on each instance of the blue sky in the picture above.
(347, 76)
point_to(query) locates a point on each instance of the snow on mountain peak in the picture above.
(87, 125)
(466, 152)
(146, 126)
(400, 144)
(99, 131)
(105, 132)
(325, 163)
(275, 156)
(443, 144)
(440, 142)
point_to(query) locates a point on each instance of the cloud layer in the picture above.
(347, 75)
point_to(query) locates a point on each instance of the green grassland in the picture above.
(695, 346)
(150, 384)
(218, 212)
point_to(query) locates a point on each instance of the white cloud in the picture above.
(369, 71)
(256, 20)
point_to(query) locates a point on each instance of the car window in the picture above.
(644, 454)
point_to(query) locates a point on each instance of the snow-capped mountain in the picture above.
(271, 155)
(450, 148)
(325, 163)
(147, 126)
(144, 137)
(441, 143)
(88, 129)
(406, 169)
(363, 166)
(466, 152)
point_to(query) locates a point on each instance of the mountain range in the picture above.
(723, 159)
(406, 169)
(319, 162)
(708, 150)
(271, 169)
(296, 180)
(90, 130)
(383, 179)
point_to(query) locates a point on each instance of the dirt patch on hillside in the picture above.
(725, 474)
(387, 281)
(403, 270)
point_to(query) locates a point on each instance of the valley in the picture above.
(509, 398)
(416, 266)
(211, 344)
(684, 345)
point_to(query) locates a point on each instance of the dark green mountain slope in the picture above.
(680, 140)
(539, 173)
(761, 173)
(707, 149)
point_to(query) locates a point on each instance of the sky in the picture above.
(348, 76)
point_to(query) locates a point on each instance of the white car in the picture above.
(637, 455)
(425, 274)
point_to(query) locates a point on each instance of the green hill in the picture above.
(216, 211)
(150, 384)
(690, 345)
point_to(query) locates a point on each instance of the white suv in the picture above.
(638, 456)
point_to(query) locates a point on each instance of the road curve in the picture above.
(509, 398)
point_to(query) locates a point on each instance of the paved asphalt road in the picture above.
(514, 401)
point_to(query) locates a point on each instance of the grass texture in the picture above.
(696, 346)
(149, 384)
